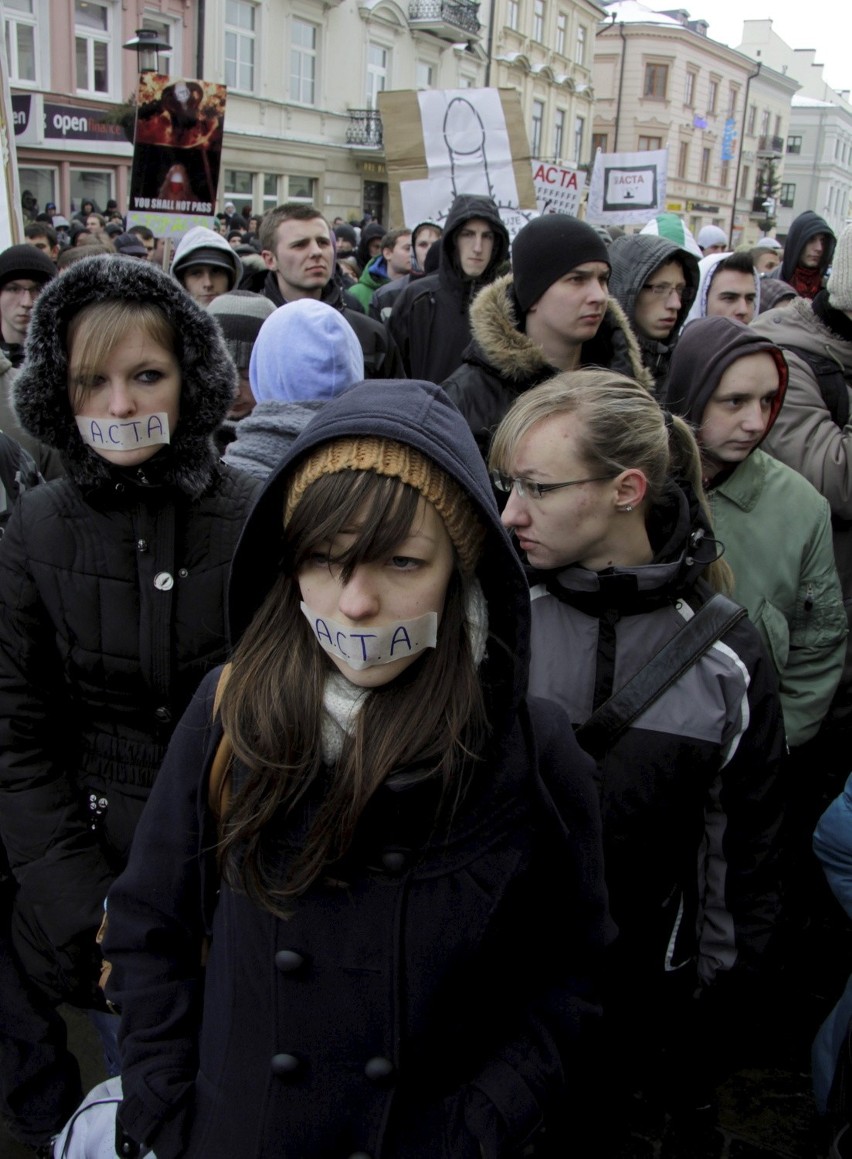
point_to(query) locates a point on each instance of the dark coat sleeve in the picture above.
(62, 874)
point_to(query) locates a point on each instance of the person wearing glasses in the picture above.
(655, 281)
(24, 272)
(605, 502)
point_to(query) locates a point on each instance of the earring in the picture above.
(626, 509)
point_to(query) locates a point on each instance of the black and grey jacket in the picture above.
(502, 362)
(112, 608)
(690, 793)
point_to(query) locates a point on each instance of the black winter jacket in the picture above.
(424, 1001)
(112, 607)
(430, 321)
(502, 362)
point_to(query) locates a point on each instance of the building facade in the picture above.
(70, 80)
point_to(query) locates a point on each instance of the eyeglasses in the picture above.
(527, 489)
(666, 289)
(16, 291)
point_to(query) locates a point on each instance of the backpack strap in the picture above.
(830, 381)
(677, 656)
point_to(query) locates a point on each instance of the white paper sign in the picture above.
(557, 189)
(627, 188)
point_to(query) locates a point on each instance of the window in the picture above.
(238, 185)
(778, 125)
(733, 100)
(794, 144)
(704, 175)
(513, 14)
(752, 118)
(764, 123)
(270, 191)
(787, 196)
(656, 81)
(424, 75)
(579, 133)
(169, 30)
(303, 61)
(689, 90)
(240, 34)
(558, 133)
(745, 181)
(581, 44)
(378, 68)
(91, 185)
(41, 183)
(724, 174)
(538, 20)
(599, 141)
(19, 31)
(712, 96)
(561, 32)
(649, 144)
(537, 122)
(92, 36)
(300, 188)
(683, 159)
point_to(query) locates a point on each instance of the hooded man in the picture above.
(813, 432)
(728, 286)
(298, 252)
(655, 281)
(423, 237)
(551, 313)
(205, 265)
(712, 240)
(430, 320)
(729, 382)
(808, 251)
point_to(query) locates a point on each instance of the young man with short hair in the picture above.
(298, 252)
(728, 287)
(43, 237)
(392, 263)
(24, 272)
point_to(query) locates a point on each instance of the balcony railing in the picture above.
(770, 145)
(449, 19)
(365, 128)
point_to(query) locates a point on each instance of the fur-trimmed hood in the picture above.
(209, 376)
(498, 341)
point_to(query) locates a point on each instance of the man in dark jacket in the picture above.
(655, 281)
(808, 251)
(430, 319)
(551, 313)
(24, 272)
(297, 248)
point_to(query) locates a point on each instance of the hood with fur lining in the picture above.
(209, 377)
(494, 323)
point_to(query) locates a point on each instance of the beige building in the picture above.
(661, 82)
(762, 158)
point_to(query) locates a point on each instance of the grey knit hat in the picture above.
(240, 315)
(840, 282)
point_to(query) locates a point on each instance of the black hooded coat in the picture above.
(430, 322)
(423, 1002)
(112, 584)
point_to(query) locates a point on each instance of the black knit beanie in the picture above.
(25, 261)
(547, 248)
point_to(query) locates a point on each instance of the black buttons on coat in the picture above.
(163, 714)
(379, 1069)
(286, 1066)
(395, 861)
(289, 961)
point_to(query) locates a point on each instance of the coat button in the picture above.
(288, 961)
(141, 544)
(394, 861)
(378, 1069)
(164, 581)
(285, 1066)
(183, 573)
(163, 714)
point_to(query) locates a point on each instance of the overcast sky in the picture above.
(815, 24)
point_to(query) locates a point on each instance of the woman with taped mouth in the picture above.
(112, 586)
(388, 972)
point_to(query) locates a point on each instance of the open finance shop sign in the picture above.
(627, 188)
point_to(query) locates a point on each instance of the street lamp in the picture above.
(148, 44)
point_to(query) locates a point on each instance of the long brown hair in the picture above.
(432, 715)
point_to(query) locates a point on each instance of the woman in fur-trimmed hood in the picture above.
(112, 588)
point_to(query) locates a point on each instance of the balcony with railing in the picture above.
(772, 146)
(365, 128)
(450, 19)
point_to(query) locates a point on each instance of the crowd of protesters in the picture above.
(424, 662)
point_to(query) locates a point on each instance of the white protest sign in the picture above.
(367, 647)
(557, 189)
(124, 434)
(627, 188)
